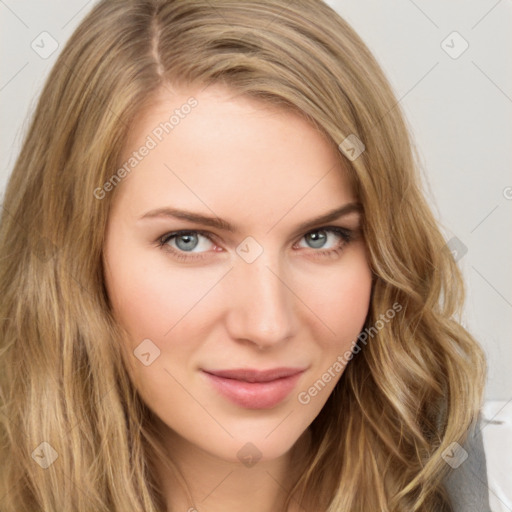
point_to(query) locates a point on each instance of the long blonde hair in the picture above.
(415, 388)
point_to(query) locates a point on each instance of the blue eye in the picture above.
(319, 237)
(182, 244)
(184, 241)
(189, 241)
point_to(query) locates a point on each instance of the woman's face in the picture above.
(233, 321)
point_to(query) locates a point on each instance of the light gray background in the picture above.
(459, 111)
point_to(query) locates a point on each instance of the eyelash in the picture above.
(346, 236)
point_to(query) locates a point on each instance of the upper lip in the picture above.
(251, 375)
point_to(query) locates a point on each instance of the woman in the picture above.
(222, 285)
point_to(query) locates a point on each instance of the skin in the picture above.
(267, 171)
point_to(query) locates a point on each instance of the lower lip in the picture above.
(254, 395)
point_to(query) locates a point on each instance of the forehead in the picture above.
(213, 148)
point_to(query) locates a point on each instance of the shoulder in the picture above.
(466, 482)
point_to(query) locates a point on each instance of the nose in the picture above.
(261, 303)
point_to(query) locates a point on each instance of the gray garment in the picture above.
(467, 484)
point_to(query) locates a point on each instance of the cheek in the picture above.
(340, 300)
(152, 302)
(160, 302)
(149, 298)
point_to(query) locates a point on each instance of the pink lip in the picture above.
(255, 389)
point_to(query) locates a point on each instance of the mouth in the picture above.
(254, 389)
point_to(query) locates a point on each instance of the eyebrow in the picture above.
(221, 224)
